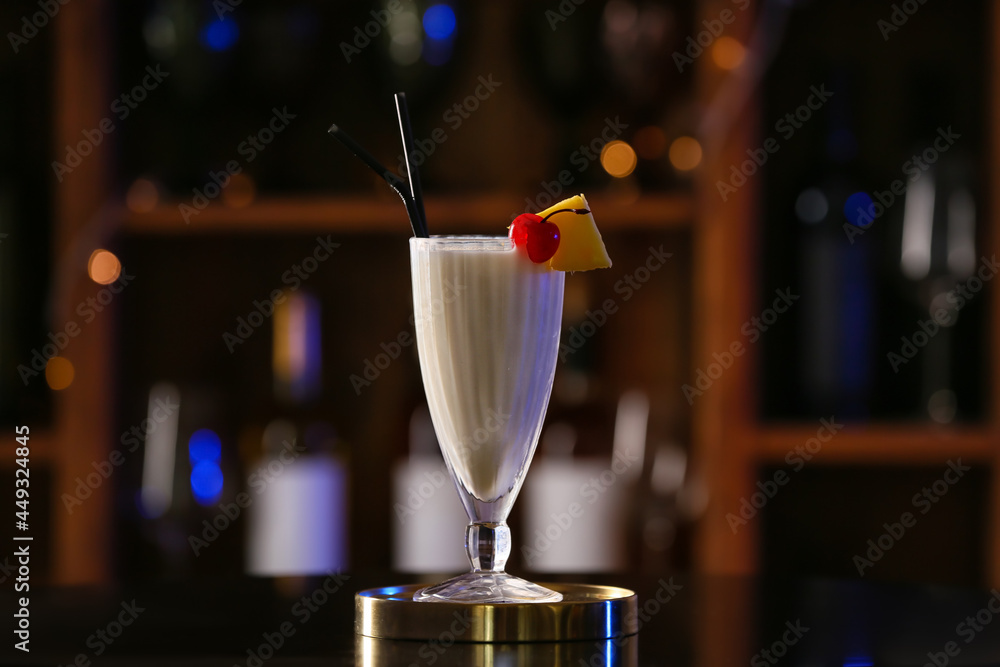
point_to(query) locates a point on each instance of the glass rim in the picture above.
(463, 242)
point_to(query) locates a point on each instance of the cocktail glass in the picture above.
(487, 324)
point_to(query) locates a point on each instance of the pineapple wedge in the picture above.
(580, 245)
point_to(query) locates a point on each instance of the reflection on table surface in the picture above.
(702, 621)
(376, 652)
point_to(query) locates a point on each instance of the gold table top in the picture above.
(585, 612)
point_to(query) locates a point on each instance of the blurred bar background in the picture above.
(207, 313)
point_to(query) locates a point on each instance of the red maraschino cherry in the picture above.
(540, 239)
(537, 236)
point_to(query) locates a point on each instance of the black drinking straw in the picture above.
(412, 173)
(396, 183)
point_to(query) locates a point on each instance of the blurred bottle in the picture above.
(188, 473)
(662, 517)
(579, 509)
(428, 517)
(932, 255)
(298, 486)
(836, 277)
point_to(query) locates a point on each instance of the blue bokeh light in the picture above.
(206, 482)
(220, 34)
(859, 209)
(856, 311)
(204, 445)
(439, 21)
(859, 661)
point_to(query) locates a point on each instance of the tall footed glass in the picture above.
(487, 324)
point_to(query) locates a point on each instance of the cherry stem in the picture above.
(579, 211)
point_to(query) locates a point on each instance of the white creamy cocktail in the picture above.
(488, 311)
(487, 325)
(487, 314)
(488, 322)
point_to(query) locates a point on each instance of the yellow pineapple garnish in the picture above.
(580, 245)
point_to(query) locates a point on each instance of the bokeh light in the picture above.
(103, 267)
(206, 482)
(59, 373)
(241, 191)
(160, 34)
(942, 406)
(650, 142)
(811, 206)
(618, 159)
(859, 209)
(204, 445)
(685, 153)
(858, 661)
(220, 34)
(620, 17)
(142, 196)
(728, 53)
(406, 42)
(439, 22)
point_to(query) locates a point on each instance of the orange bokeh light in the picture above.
(142, 196)
(728, 53)
(103, 267)
(618, 159)
(240, 192)
(685, 153)
(59, 373)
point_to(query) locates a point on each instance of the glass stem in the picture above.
(488, 546)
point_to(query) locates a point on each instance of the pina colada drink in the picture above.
(487, 314)
(487, 324)
(488, 311)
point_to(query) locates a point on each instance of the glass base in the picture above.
(486, 587)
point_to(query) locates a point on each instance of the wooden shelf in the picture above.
(891, 444)
(41, 444)
(728, 443)
(478, 213)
